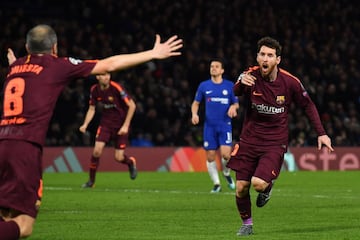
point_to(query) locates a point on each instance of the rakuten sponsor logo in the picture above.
(262, 108)
(108, 106)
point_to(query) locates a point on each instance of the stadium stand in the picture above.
(320, 46)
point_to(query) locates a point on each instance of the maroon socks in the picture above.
(244, 208)
(93, 168)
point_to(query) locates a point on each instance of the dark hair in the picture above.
(271, 43)
(41, 39)
(218, 60)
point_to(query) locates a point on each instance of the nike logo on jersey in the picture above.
(256, 93)
(208, 92)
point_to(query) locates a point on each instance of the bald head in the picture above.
(41, 39)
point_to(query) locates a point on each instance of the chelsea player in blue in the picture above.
(220, 106)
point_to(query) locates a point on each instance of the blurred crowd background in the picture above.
(320, 42)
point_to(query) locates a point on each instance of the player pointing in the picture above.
(257, 158)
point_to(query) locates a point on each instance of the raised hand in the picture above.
(11, 56)
(168, 48)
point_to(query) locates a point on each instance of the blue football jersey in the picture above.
(217, 98)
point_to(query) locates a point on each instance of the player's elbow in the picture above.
(132, 105)
(104, 66)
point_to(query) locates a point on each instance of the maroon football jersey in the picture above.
(268, 104)
(114, 104)
(31, 90)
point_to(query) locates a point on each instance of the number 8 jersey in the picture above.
(30, 93)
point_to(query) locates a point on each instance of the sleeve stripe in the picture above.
(116, 85)
(289, 74)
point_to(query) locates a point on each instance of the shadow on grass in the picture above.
(315, 229)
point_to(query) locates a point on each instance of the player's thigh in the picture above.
(225, 151)
(99, 147)
(211, 155)
(119, 154)
(120, 145)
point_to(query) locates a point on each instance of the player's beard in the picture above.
(267, 71)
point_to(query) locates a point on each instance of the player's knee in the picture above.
(242, 189)
(26, 232)
(119, 158)
(258, 184)
(25, 224)
(226, 157)
(97, 153)
(211, 155)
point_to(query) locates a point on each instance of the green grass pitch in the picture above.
(176, 206)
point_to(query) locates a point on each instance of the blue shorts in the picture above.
(216, 135)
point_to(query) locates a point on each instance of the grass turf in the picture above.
(304, 205)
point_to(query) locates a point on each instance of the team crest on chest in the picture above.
(280, 100)
(111, 98)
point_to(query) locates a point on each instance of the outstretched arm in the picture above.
(160, 51)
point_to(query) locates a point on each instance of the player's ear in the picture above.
(278, 59)
(27, 48)
(54, 49)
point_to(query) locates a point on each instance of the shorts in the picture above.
(106, 134)
(217, 135)
(249, 160)
(20, 176)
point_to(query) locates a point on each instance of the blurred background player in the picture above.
(220, 106)
(30, 92)
(268, 92)
(117, 112)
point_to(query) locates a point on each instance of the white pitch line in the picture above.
(134, 190)
(276, 192)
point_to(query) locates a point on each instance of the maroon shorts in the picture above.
(249, 160)
(20, 176)
(106, 134)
